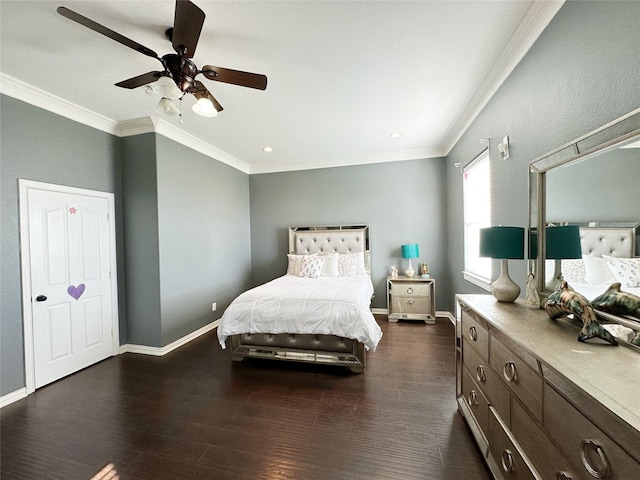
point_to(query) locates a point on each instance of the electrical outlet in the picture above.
(213, 307)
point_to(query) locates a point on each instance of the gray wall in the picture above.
(141, 250)
(581, 73)
(41, 146)
(602, 188)
(204, 237)
(403, 202)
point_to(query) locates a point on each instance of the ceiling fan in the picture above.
(178, 74)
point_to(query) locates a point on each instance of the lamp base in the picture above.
(410, 272)
(504, 289)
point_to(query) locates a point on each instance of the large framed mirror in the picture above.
(592, 186)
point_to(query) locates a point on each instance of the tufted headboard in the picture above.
(616, 241)
(331, 239)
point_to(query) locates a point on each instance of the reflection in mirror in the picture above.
(592, 183)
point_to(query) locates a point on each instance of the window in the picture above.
(477, 215)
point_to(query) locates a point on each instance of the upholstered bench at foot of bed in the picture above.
(324, 349)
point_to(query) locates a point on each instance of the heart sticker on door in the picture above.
(76, 292)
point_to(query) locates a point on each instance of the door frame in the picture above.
(24, 186)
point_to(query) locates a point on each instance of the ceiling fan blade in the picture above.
(107, 32)
(187, 26)
(201, 90)
(235, 77)
(140, 80)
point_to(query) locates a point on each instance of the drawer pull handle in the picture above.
(509, 371)
(507, 461)
(563, 476)
(599, 471)
(410, 302)
(480, 374)
(473, 333)
(473, 398)
(410, 290)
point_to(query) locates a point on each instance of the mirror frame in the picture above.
(601, 140)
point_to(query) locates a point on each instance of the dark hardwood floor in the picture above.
(192, 414)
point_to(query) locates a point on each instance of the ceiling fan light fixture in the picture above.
(204, 107)
(167, 107)
(166, 88)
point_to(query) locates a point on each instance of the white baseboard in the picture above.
(159, 351)
(9, 398)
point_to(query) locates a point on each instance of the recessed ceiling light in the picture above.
(396, 135)
(267, 149)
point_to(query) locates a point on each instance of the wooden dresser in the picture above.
(540, 404)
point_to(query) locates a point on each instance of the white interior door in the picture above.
(72, 295)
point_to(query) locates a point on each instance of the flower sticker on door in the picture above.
(73, 210)
(76, 292)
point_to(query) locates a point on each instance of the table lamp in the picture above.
(410, 251)
(503, 243)
(563, 243)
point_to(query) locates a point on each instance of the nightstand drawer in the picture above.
(476, 334)
(410, 305)
(494, 389)
(519, 376)
(584, 444)
(411, 289)
(511, 462)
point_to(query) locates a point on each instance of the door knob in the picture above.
(41, 298)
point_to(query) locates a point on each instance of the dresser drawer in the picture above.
(593, 453)
(520, 377)
(494, 389)
(476, 334)
(505, 453)
(546, 458)
(418, 289)
(410, 305)
(475, 400)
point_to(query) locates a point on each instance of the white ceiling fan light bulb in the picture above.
(204, 107)
(167, 107)
(165, 87)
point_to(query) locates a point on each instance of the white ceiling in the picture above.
(342, 75)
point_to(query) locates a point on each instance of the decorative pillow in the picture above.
(625, 270)
(330, 265)
(311, 266)
(597, 271)
(360, 267)
(347, 264)
(295, 262)
(574, 270)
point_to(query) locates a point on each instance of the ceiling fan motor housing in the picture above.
(182, 70)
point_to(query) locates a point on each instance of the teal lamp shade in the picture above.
(410, 251)
(502, 242)
(563, 242)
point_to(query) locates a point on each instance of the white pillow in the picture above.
(625, 270)
(311, 266)
(347, 264)
(574, 271)
(295, 262)
(330, 265)
(597, 271)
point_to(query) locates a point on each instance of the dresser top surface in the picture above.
(611, 375)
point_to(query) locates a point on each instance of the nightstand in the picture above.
(411, 299)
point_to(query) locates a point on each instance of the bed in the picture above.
(606, 247)
(310, 314)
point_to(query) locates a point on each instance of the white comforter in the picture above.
(291, 304)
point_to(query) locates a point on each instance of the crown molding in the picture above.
(537, 18)
(351, 160)
(37, 97)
